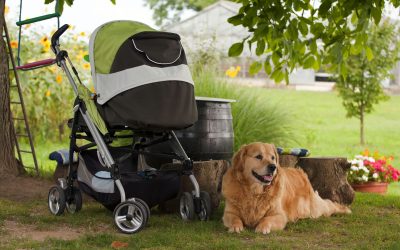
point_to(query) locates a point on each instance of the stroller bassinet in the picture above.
(141, 77)
(143, 84)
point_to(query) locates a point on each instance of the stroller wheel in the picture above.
(74, 203)
(186, 206)
(56, 200)
(205, 209)
(144, 206)
(130, 216)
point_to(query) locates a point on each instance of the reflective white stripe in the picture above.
(110, 85)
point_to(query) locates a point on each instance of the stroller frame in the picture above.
(134, 210)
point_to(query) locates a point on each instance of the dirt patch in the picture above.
(24, 188)
(22, 231)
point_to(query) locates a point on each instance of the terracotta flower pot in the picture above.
(371, 187)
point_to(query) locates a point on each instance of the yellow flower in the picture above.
(82, 33)
(14, 44)
(46, 46)
(59, 79)
(86, 66)
(75, 37)
(71, 27)
(6, 10)
(93, 90)
(232, 71)
(27, 26)
(44, 40)
(48, 93)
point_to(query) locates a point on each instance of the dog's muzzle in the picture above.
(267, 178)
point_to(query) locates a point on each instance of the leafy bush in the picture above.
(255, 117)
(46, 91)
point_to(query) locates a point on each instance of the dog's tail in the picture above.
(326, 207)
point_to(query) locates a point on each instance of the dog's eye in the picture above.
(273, 157)
(259, 157)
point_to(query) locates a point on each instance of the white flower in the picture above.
(364, 178)
(365, 170)
(370, 159)
(375, 175)
(361, 157)
(354, 168)
(360, 163)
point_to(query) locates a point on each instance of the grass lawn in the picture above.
(322, 128)
(374, 224)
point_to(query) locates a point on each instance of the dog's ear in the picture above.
(237, 160)
(276, 154)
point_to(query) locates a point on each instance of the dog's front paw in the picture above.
(264, 228)
(236, 228)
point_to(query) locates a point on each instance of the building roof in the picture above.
(228, 5)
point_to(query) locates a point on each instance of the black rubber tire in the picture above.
(56, 200)
(186, 207)
(206, 211)
(145, 206)
(76, 200)
(121, 210)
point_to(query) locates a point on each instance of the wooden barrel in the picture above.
(211, 137)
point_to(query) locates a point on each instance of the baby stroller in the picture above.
(144, 91)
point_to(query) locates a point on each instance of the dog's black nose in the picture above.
(271, 168)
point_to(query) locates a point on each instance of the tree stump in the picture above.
(328, 177)
(209, 176)
(288, 160)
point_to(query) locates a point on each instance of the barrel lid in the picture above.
(210, 99)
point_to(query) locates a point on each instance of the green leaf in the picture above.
(236, 49)
(343, 70)
(236, 20)
(113, 1)
(309, 62)
(354, 18)
(267, 67)
(69, 2)
(324, 7)
(60, 6)
(306, 20)
(255, 67)
(303, 28)
(275, 58)
(48, 1)
(260, 47)
(317, 29)
(376, 14)
(279, 76)
(86, 58)
(369, 54)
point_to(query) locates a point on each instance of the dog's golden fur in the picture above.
(269, 206)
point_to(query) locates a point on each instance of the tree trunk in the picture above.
(362, 140)
(8, 163)
(328, 176)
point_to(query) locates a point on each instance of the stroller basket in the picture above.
(97, 182)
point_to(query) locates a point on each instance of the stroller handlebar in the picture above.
(56, 36)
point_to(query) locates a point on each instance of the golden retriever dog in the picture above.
(261, 194)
